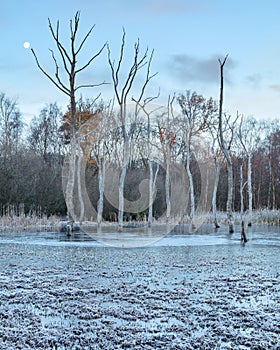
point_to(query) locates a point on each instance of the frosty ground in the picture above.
(83, 295)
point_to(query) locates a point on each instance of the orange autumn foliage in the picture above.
(86, 123)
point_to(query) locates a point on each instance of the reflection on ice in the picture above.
(260, 235)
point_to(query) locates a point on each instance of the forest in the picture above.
(165, 159)
(32, 159)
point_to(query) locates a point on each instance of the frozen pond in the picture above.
(204, 291)
(206, 235)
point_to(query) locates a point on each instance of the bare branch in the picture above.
(93, 58)
(150, 99)
(90, 85)
(114, 78)
(133, 71)
(240, 135)
(121, 58)
(69, 63)
(148, 77)
(57, 71)
(222, 63)
(66, 91)
(145, 103)
(137, 64)
(63, 53)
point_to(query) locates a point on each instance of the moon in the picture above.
(26, 44)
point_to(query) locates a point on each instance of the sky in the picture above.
(187, 36)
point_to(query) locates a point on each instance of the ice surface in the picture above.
(203, 291)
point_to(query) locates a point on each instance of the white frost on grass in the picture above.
(154, 298)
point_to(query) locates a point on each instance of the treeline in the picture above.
(32, 156)
(130, 158)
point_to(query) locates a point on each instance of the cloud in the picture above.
(254, 79)
(275, 87)
(192, 69)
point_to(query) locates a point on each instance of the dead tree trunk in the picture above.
(250, 189)
(241, 187)
(101, 182)
(243, 233)
(191, 184)
(215, 189)
(226, 150)
(121, 94)
(69, 59)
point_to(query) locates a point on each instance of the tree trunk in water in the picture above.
(69, 196)
(241, 192)
(225, 149)
(273, 193)
(167, 189)
(214, 198)
(229, 197)
(121, 183)
(270, 178)
(79, 185)
(250, 190)
(101, 181)
(152, 186)
(215, 189)
(192, 196)
(69, 193)
(151, 192)
(243, 234)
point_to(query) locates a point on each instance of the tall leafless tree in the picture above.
(216, 153)
(196, 110)
(225, 146)
(152, 176)
(69, 59)
(249, 136)
(11, 125)
(122, 91)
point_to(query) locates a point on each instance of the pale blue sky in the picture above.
(188, 37)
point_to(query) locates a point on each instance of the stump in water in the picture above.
(216, 225)
(69, 228)
(192, 227)
(243, 234)
(230, 228)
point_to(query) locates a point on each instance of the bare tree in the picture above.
(69, 59)
(44, 136)
(249, 136)
(121, 94)
(11, 125)
(196, 110)
(167, 136)
(225, 146)
(152, 177)
(95, 140)
(272, 143)
(216, 154)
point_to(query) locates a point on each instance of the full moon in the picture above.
(26, 44)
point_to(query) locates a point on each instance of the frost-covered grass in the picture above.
(17, 220)
(266, 216)
(29, 222)
(204, 297)
(261, 217)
